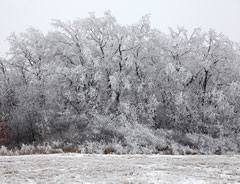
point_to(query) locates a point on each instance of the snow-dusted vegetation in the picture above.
(137, 169)
(122, 89)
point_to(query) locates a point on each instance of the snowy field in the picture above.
(135, 169)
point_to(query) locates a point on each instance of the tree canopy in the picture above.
(93, 79)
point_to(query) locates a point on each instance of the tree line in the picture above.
(93, 79)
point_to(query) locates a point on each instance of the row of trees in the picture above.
(95, 80)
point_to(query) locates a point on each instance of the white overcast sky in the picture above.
(221, 15)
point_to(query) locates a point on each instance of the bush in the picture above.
(4, 151)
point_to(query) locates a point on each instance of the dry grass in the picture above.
(97, 148)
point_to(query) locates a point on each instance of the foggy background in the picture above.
(221, 15)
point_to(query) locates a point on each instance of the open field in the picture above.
(80, 168)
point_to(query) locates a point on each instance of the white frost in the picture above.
(135, 169)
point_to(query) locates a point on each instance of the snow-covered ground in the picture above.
(135, 169)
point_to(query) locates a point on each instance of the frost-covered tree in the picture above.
(96, 80)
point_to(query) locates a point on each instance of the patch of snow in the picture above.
(106, 169)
